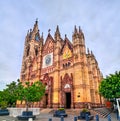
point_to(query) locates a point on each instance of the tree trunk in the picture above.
(27, 105)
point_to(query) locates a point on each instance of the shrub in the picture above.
(61, 109)
(3, 104)
(85, 110)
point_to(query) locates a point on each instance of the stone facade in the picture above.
(71, 74)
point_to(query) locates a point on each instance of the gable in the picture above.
(66, 52)
(48, 46)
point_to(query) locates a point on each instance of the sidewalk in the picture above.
(46, 116)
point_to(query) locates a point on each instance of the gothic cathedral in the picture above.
(71, 74)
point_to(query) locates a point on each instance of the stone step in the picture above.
(102, 112)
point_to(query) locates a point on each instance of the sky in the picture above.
(98, 19)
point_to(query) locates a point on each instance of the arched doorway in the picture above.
(67, 91)
(47, 99)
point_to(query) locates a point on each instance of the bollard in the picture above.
(86, 117)
(97, 117)
(117, 115)
(75, 118)
(50, 119)
(118, 118)
(62, 118)
(109, 118)
(30, 119)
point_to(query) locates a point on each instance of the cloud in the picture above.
(99, 21)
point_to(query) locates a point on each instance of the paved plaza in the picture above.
(46, 116)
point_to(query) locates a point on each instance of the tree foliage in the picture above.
(31, 93)
(110, 86)
(3, 102)
(9, 94)
(17, 91)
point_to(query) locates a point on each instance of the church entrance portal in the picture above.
(68, 100)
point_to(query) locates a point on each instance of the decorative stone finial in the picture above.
(75, 29)
(49, 31)
(79, 29)
(88, 51)
(36, 20)
(65, 35)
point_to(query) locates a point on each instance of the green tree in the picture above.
(110, 86)
(31, 93)
(11, 93)
(4, 98)
(17, 91)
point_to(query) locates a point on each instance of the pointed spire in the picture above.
(41, 39)
(36, 21)
(66, 39)
(57, 29)
(30, 35)
(57, 33)
(28, 32)
(75, 33)
(92, 53)
(27, 36)
(75, 29)
(80, 29)
(49, 31)
(35, 28)
(65, 36)
(42, 35)
(88, 50)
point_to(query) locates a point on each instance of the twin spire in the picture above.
(89, 52)
(77, 31)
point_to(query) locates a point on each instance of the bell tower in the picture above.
(78, 43)
(80, 64)
(32, 51)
